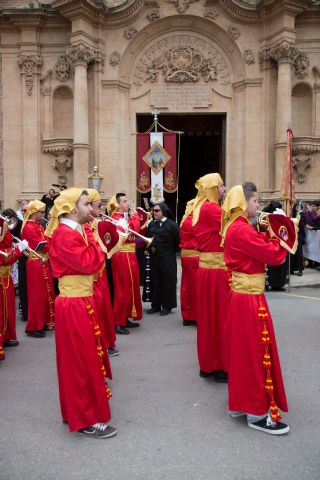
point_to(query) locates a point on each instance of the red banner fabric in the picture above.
(143, 171)
(170, 170)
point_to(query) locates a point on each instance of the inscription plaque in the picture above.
(181, 97)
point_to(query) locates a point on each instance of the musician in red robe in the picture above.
(75, 259)
(212, 278)
(189, 266)
(39, 277)
(101, 291)
(125, 269)
(8, 336)
(255, 381)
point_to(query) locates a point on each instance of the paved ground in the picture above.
(172, 425)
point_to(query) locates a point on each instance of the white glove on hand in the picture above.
(122, 223)
(279, 211)
(23, 245)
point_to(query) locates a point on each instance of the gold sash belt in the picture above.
(252, 284)
(76, 286)
(188, 252)
(44, 256)
(128, 248)
(212, 260)
(5, 271)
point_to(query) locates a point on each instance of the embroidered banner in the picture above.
(143, 171)
(170, 170)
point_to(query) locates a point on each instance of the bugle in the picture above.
(147, 240)
(29, 250)
(11, 222)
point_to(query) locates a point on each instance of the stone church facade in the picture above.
(76, 74)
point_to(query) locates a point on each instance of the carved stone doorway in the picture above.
(202, 151)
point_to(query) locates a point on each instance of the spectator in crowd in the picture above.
(48, 199)
(23, 208)
(296, 260)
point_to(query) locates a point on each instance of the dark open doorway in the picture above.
(202, 151)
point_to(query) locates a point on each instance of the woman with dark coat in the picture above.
(165, 233)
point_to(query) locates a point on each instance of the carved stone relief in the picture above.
(302, 65)
(29, 64)
(130, 32)
(181, 59)
(114, 59)
(211, 14)
(80, 53)
(62, 163)
(248, 56)
(182, 5)
(301, 164)
(284, 52)
(62, 69)
(153, 15)
(234, 31)
(62, 151)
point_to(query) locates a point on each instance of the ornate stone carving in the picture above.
(234, 31)
(62, 163)
(62, 69)
(301, 164)
(301, 65)
(61, 149)
(130, 32)
(80, 53)
(28, 64)
(114, 59)
(264, 58)
(248, 56)
(211, 14)
(182, 5)
(284, 52)
(153, 15)
(181, 59)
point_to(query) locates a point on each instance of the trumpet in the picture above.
(11, 222)
(147, 240)
(29, 250)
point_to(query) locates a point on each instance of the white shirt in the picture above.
(72, 224)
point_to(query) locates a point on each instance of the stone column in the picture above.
(284, 55)
(317, 110)
(80, 55)
(30, 123)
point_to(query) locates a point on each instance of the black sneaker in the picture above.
(120, 330)
(11, 343)
(186, 323)
(98, 430)
(268, 426)
(204, 374)
(132, 324)
(113, 352)
(165, 311)
(153, 310)
(36, 334)
(221, 376)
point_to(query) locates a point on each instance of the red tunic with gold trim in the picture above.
(7, 293)
(251, 343)
(83, 393)
(126, 280)
(212, 290)
(189, 265)
(101, 294)
(39, 281)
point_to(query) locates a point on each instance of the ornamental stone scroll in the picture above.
(29, 64)
(81, 54)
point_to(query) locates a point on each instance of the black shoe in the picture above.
(206, 374)
(153, 310)
(36, 334)
(121, 330)
(132, 324)
(165, 311)
(113, 352)
(186, 323)
(299, 274)
(98, 430)
(268, 426)
(221, 376)
(11, 343)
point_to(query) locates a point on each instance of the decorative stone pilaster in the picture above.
(29, 66)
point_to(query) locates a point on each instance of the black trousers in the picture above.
(164, 281)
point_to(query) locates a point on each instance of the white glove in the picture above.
(279, 211)
(23, 245)
(122, 223)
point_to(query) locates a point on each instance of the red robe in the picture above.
(247, 251)
(212, 293)
(7, 293)
(39, 282)
(126, 278)
(83, 396)
(189, 265)
(101, 294)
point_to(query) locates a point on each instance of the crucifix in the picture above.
(155, 114)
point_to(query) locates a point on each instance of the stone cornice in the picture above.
(26, 17)
(247, 82)
(122, 86)
(306, 144)
(57, 145)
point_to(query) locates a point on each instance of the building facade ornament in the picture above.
(181, 59)
(301, 163)
(302, 65)
(284, 52)
(130, 32)
(62, 150)
(80, 54)
(212, 13)
(182, 5)
(29, 65)
(62, 70)
(234, 31)
(248, 56)
(153, 15)
(114, 59)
